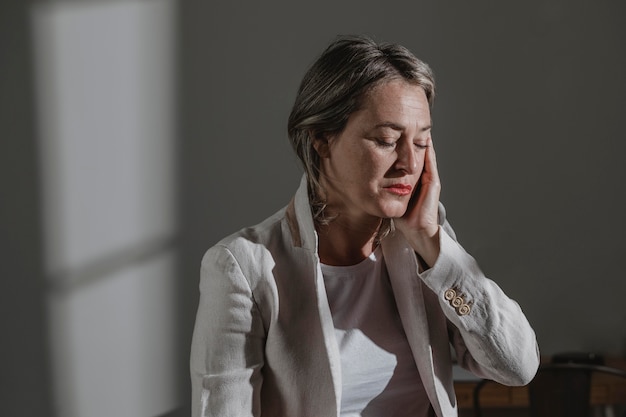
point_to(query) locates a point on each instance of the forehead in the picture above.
(395, 101)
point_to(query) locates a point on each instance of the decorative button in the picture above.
(457, 302)
(449, 295)
(464, 310)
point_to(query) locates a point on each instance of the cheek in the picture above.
(367, 166)
(382, 163)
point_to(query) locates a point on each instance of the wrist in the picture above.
(427, 247)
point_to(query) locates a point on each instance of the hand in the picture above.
(420, 225)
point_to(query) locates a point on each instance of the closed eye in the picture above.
(385, 143)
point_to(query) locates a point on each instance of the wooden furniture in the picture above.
(563, 389)
(605, 390)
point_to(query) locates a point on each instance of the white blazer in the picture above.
(264, 341)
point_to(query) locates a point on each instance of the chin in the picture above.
(394, 212)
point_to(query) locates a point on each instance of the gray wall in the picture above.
(528, 133)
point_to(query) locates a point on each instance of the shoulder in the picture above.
(258, 234)
(248, 248)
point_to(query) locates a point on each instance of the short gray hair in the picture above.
(334, 87)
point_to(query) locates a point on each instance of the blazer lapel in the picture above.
(407, 288)
(302, 230)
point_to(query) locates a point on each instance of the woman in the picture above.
(346, 302)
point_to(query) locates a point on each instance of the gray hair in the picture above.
(334, 87)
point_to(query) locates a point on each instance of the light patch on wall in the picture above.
(105, 90)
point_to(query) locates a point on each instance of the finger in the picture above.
(429, 198)
(431, 160)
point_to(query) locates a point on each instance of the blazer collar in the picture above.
(300, 219)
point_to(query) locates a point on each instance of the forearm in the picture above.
(489, 330)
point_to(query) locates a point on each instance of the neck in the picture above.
(342, 242)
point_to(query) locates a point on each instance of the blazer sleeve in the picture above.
(488, 330)
(228, 341)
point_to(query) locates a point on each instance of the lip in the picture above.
(399, 189)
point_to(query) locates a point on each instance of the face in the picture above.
(372, 167)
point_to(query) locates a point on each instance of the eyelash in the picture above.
(384, 144)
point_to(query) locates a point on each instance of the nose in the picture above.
(407, 157)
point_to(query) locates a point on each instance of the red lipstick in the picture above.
(399, 189)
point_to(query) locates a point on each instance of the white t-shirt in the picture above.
(379, 375)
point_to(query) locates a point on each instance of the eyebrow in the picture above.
(396, 126)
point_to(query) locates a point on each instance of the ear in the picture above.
(320, 144)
